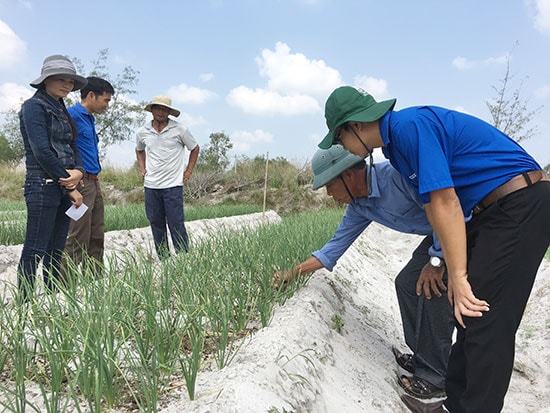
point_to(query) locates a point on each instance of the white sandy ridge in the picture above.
(301, 363)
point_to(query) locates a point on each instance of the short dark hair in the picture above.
(97, 85)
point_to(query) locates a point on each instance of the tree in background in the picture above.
(210, 167)
(124, 116)
(12, 149)
(214, 157)
(116, 125)
(6, 153)
(509, 111)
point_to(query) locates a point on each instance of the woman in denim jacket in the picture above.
(54, 169)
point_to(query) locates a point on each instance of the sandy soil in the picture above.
(300, 363)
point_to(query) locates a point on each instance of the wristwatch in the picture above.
(437, 262)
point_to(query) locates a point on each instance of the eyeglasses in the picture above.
(338, 133)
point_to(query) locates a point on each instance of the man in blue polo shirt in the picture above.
(459, 163)
(85, 242)
(380, 194)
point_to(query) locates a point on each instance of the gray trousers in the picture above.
(86, 237)
(427, 324)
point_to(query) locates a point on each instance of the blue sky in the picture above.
(261, 70)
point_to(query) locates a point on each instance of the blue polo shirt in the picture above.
(87, 140)
(436, 148)
(392, 203)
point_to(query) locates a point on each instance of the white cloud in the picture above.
(378, 88)
(294, 83)
(191, 121)
(540, 10)
(26, 4)
(12, 48)
(120, 60)
(496, 60)
(268, 102)
(463, 110)
(542, 92)
(12, 95)
(463, 63)
(244, 140)
(189, 94)
(206, 77)
(290, 74)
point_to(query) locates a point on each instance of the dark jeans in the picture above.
(47, 227)
(506, 244)
(427, 324)
(165, 206)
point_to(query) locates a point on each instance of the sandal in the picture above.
(404, 360)
(416, 406)
(420, 388)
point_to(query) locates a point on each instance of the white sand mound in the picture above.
(301, 363)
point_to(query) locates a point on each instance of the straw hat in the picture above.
(165, 101)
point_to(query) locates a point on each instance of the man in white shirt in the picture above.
(160, 152)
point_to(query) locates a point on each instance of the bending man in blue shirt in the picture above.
(427, 318)
(85, 243)
(459, 163)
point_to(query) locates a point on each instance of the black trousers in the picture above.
(427, 324)
(506, 244)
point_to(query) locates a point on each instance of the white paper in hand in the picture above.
(76, 213)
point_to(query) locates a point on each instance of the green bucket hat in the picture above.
(328, 164)
(347, 104)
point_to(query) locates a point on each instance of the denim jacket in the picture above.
(50, 147)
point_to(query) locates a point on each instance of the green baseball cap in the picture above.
(328, 164)
(347, 104)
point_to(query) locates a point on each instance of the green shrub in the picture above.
(11, 184)
(125, 181)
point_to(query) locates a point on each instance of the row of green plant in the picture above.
(246, 173)
(124, 339)
(130, 216)
(117, 217)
